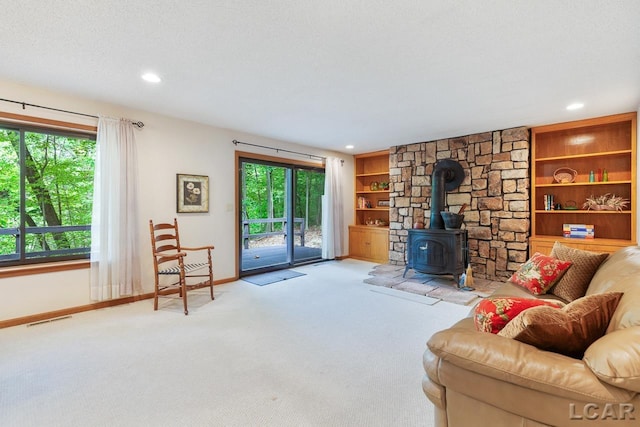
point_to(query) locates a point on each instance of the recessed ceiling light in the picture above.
(349, 147)
(575, 106)
(151, 78)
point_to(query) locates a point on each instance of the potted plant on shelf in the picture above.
(605, 202)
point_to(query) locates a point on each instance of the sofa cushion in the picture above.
(569, 330)
(508, 289)
(540, 273)
(615, 358)
(573, 284)
(621, 273)
(493, 313)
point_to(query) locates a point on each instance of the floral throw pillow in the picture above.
(492, 314)
(540, 273)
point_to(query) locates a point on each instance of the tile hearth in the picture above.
(441, 287)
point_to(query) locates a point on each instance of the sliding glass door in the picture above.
(280, 224)
(308, 189)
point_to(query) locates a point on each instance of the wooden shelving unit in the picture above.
(605, 143)
(369, 236)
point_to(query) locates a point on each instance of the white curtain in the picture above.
(115, 259)
(332, 209)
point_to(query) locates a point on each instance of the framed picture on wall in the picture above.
(192, 193)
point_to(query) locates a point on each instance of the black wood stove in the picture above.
(438, 250)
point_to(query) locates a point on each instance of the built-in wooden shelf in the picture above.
(584, 146)
(370, 242)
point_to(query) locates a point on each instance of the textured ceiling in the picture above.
(327, 73)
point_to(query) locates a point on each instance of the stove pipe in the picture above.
(447, 175)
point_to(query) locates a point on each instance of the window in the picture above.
(46, 183)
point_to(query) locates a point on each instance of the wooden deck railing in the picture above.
(44, 253)
(246, 229)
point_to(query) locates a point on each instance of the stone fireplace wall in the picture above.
(495, 188)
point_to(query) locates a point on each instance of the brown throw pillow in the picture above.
(569, 330)
(574, 283)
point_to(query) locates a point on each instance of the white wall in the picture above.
(166, 146)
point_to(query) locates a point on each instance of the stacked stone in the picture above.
(495, 190)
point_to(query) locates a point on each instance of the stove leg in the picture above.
(405, 270)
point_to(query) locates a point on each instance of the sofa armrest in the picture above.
(430, 383)
(514, 362)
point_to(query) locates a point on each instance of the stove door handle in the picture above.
(424, 248)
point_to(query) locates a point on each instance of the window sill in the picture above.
(25, 270)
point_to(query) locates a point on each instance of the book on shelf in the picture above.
(548, 202)
(579, 231)
(362, 203)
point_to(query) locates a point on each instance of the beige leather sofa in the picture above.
(482, 379)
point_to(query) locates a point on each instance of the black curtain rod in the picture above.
(26, 104)
(236, 142)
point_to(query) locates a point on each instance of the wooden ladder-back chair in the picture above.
(169, 260)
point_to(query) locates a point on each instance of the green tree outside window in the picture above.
(46, 180)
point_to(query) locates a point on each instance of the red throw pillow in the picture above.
(540, 273)
(492, 314)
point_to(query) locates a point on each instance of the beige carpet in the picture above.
(316, 350)
(438, 287)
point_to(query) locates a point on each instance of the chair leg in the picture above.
(155, 296)
(210, 273)
(211, 283)
(184, 297)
